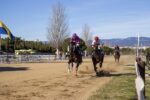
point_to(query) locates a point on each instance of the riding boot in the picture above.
(80, 51)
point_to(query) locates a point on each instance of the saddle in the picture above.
(75, 49)
(75, 54)
(117, 52)
(97, 53)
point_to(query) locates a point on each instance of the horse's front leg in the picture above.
(77, 65)
(100, 64)
(94, 65)
(72, 66)
(118, 58)
(115, 58)
(69, 67)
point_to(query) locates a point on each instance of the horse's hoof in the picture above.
(69, 71)
(75, 75)
(97, 74)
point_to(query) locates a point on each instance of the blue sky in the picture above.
(29, 19)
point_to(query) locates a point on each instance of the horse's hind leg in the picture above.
(118, 58)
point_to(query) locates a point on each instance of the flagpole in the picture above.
(0, 43)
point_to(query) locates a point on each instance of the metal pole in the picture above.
(138, 45)
(7, 48)
(0, 43)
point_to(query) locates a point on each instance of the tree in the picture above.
(127, 51)
(66, 44)
(86, 35)
(146, 51)
(108, 50)
(58, 28)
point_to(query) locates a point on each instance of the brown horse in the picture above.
(97, 58)
(117, 56)
(74, 58)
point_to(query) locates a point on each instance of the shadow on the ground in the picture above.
(130, 65)
(13, 69)
(108, 74)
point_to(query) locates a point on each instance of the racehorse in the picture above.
(117, 55)
(75, 57)
(97, 58)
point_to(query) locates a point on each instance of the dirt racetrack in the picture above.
(51, 81)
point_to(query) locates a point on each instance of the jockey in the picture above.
(117, 48)
(75, 40)
(96, 44)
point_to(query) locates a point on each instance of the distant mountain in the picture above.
(130, 41)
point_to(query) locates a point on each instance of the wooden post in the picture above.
(140, 80)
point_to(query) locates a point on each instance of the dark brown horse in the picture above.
(74, 58)
(97, 58)
(116, 55)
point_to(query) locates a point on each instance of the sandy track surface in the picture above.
(51, 81)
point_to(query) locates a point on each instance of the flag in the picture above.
(5, 30)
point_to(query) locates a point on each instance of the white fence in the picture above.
(26, 58)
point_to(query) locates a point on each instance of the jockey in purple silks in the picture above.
(75, 40)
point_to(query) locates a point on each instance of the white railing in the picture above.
(26, 58)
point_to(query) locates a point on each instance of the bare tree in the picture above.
(86, 34)
(58, 27)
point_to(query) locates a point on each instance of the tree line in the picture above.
(45, 47)
(19, 44)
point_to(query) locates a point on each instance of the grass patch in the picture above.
(147, 71)
(130, 68)
(147, 86)
(120, 88)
